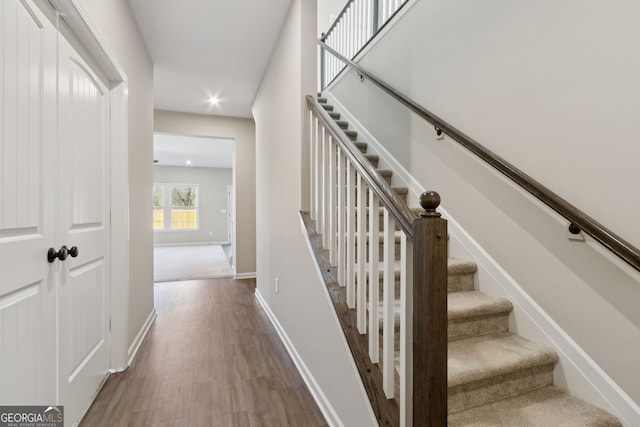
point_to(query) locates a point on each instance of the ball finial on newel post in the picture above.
(429, 200)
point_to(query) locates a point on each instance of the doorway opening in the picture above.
(193, 208)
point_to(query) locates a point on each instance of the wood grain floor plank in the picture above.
(212, 358)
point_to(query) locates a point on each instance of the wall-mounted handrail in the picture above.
(616, 244)
(383, 190)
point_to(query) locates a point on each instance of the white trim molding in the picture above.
(142, 333)
(320, 398)
(240, 276)
(84, 31)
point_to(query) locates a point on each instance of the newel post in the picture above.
(429, 315)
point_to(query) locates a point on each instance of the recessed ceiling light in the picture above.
(188, 162)
(214, 100)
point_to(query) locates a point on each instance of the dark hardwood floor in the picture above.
(212, 358)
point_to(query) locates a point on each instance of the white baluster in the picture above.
(374, 277)
(325, 189)
(320, 213)
(351, 236)
(312, 164)
(362, 23)
(348, 27)
(359, 24)
(341, 219)
(369, 18)
(342, 35)
(332, 201)
(388, 295)
(361, 304)
(406, 331)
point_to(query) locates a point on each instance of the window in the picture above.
(175, 206)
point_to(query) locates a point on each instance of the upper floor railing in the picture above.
(579, 220)
(358, 22)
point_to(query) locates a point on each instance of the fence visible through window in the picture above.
(175, 207)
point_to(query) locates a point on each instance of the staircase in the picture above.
(495, 378)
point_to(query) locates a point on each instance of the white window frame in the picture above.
(166, 208)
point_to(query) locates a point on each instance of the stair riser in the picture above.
(461, 329)
(461, 282)
(373, 160)
(362, 146)
(479, 393)
(476, 326)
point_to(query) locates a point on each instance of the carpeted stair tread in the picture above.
(334, 115)
(461, 275)
(362, 146)
(479, 358)
(352, 134)
(472, 313)
(374, 159)
(473, 304)
(322, 100)
(386, 174)
(342, 123)
(400, 191)
(461, 305)
(546, 407)
(460, 266)
(327, 107)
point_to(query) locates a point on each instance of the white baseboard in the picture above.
(160, 245)
(582, 375)
(318, 395)
(137, 342)
(245, 275)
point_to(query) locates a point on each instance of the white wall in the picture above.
(301, 306)
(212, 203)
(244, 178)
(114, 19)
(552, 87)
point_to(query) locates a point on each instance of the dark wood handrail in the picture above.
(616, 244)
(389, 198)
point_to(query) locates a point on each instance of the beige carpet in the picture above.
(174, 263)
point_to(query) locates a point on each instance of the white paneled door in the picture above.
(28, 344)
(83, 225)
(54, 165)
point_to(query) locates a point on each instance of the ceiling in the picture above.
(202, 49)
(192, 151)
(209, 48)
